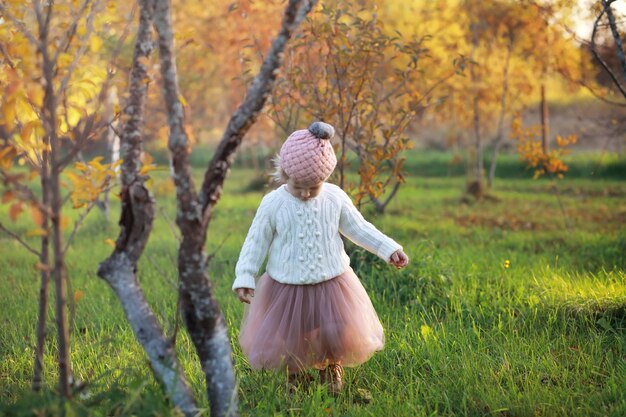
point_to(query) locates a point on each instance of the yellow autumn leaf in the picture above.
(73, 115)
(96, 160)
(7, 153)
(110, 242)
(28, 129)
(145, 170)
(65, 222)
(78, 295)
(146, 158)
(7, 196)
(77, 204)
(8, 114)
(182, 100)
(95, 44)
(15, 211)
(36, 214)
(81, 30)
(74, 178)
(65, 60)
(37, 232)
(35, 95)
(81, 166)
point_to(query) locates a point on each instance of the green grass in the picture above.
(464, 335)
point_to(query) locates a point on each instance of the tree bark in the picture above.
(477, 143)
(500, 131)
(54, 190)
(619, 49)
(120, 269)
(475, 187)
(614, 78)
(382, 205)
(545, 140)
(247, 112)
(44, 261)
(200, 310)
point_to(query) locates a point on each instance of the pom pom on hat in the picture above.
(322, 130)
(307, 155)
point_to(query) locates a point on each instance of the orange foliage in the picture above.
(530, 150)
(91, 180)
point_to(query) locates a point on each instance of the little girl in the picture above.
(310, 309)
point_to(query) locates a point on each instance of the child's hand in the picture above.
(245, 294)
(399, 259)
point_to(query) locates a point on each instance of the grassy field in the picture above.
(465, 334)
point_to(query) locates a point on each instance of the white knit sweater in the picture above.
(303, 238)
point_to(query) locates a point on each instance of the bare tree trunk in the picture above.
(619, 49)
(58, 271)
(200, 310)
(44, 262)
(382, 205)
(342, 163)
(120, 269)
(59, 275)
(475, 186)
(500, 131)
(545, 140)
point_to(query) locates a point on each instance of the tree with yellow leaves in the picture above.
(347, 70)
(53, 85)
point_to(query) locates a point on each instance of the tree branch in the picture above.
(19, 240)
(200, 311)
(619, 49)
(136, 219)
(3, 49)
(597, 55)
(87, 131)
(20, 26)
(248, 111)
(71, 31)
(81, 50)
(77, 225)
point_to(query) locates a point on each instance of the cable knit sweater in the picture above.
(303, 238)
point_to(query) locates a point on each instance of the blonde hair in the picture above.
(279, 175)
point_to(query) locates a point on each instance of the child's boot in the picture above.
(333, 376)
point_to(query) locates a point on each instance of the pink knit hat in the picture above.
(307, 155)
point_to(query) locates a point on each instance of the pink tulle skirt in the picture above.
(310, 326)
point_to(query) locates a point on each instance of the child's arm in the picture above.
(363, 233)
(254, 249)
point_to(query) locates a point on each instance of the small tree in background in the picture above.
(532, 152)
(515, 49)
(346, 70)
(53, 88)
